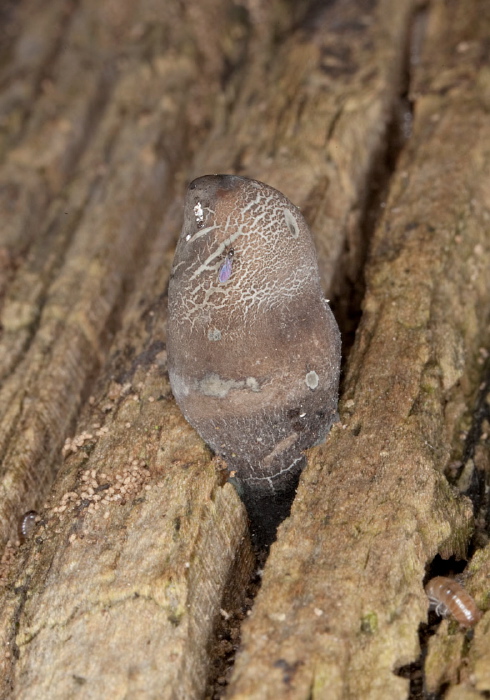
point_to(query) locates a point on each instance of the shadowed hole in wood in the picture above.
(470, 474)
(227, 633)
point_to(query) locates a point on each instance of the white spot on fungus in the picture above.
(312, 380)
(198, 213)
(291, 223)
(252, 384)
(214, 334)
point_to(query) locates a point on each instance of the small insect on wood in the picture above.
(448, 597)
(224, 272)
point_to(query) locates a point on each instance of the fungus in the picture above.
(253, 347)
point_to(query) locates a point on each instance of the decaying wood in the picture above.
(122, 594)
(78, 214)
(116, 596)
(342, 598)
(107, 110)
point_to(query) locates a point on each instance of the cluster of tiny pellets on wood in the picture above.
(78, 441)
(98, 490)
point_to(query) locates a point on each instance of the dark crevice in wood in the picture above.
(243, 28)
(225, 641)
(57, 235)
(44, 72)
(445, 567)
(349, 285)
(10, 28)
(314, 15)
(470, 474)
(414, 671)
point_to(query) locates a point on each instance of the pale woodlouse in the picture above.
(448, 597)
(26, 525)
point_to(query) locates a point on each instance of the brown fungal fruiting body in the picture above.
(448, 597)
(253, 348)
